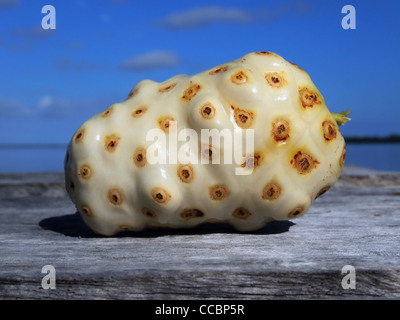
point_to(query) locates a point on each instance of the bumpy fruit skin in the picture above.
(298, 152)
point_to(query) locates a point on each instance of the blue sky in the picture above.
(51, 81)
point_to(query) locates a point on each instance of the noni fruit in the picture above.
(151, 160)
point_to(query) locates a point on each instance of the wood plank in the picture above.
(356, 223)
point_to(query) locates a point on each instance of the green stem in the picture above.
(341, 118)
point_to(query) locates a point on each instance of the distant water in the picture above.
(384, 156)
(34, 158)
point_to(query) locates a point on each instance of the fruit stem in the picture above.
(341, 118)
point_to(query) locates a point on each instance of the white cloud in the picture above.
(151, 60)
(58, 107)
(203, 16)
(268, 15)
(8, 4)
(25, 38)
(68, 64)
(118, 1)
(45, 103)
(48, 106)
(74, 45)
(210, 15)
(12, 107)
(35, 32)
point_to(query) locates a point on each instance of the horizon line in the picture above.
(392, 138)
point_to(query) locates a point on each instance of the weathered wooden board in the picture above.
(356, 223)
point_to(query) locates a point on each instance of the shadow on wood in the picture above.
(72, 225)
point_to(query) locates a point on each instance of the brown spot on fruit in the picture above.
(274, 79)
(149, 213)
(342, 157)
(132, 94)
(160, 195)
(308, 98)
(86, 211)
(185, 173)
(125, 227)
(106, 113)
(85, 172)
(304, 163)
(191, 92)
(79, 135)
(138, 112)
(271, 191)
(167, 88)
(280, 130)
(209, 152)
(239, 78)
(252, 161)
(115, 197)
(296, 212)
(241, 213)
(329, 130)
(189, 214)
(207, 111)
(243, 118)
(322, 191)
(218, 192)
(111, 143)
(265, 53)
(139, 157)
(218, 70)
(164, 123)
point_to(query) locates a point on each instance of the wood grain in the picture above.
(356, 223)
